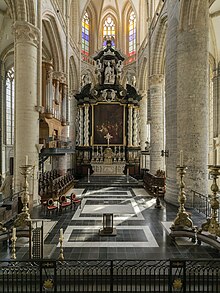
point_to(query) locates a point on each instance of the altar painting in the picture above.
(108, 118)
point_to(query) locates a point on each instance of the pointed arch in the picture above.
(109, 11)
(142, 78)
(23, 10)
(158, 49)
(73, 78)
(53, 38)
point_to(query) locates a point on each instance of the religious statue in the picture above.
(119, 70)
(109, 74)
(6, 187)
(86, 79)
(98, 70)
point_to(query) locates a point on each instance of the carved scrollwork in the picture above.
(26, 32)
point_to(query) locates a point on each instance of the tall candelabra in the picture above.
(24, 216)
(61, 256)
(212, 225)
(182, 220)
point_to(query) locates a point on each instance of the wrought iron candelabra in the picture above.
(23, 218)
(182, 220)
(212, 225)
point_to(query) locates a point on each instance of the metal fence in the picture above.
(110, 276)
(202, 203)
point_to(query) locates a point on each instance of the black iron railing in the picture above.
(110, 276)
(202, 204)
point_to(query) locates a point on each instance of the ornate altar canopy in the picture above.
(108, 115)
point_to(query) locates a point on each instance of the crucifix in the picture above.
(108, 137)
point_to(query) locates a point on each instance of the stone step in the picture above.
(105, 181)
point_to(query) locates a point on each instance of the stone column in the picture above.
(86, 125)
(143, 120)
(130, 124)
(81, 124)
(192, 99)
(135, 127)
(61, 164)
(26, 118)
(191, 102)
(157, 122)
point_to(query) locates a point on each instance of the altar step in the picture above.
(106, 181)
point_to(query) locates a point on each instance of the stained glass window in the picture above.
(85, 34)
(10, 107)
(132, 34)
(109, 31)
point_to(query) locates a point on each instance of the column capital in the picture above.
(61, 76)
(156, 79)
(25, 32)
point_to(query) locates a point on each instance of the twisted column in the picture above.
(86, 125)
(135, 127)
(130, 124)
(81, 126)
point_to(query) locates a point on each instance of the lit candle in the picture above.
(181, 158)
(26, 160)
(215, 158)
(13, 232)
(61, 232)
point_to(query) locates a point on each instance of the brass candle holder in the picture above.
(212, 225)
(24, 216)
(182, 220)
(13, 244)
(61, 256)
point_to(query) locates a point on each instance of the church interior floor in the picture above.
(142, 230)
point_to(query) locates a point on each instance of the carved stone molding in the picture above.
(61, 76)
(26, 33)
(156, 79)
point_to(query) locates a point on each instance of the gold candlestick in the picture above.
(182, 220)
(24, 216)
(61, 256)
(212, 225)
(13, 243)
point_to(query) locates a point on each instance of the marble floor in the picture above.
(142, 231)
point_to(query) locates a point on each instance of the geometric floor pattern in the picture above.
(142, 230)
(123, 206)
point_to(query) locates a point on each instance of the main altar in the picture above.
(108, 138)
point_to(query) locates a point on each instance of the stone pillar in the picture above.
(26, 118)
(143, 120)
(86, 125)
(191, 102)
(81, 125)
(130, 124)
(157, 122)
(62, 164)
(135, 127)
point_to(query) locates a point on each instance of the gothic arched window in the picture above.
(131, 35)
(109, 31)
(85, 34)
(10, 107)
